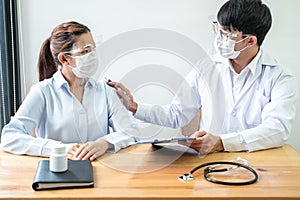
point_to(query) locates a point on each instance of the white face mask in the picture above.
(86, 65)
(225, 47)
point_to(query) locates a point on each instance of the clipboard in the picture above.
(158, 141)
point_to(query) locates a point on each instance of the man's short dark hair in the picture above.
(248, 16)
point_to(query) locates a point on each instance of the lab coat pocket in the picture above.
(256, 106)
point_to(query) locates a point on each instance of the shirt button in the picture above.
(233, 113)
(82, 111)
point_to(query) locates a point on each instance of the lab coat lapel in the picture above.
(227, 83)
(250, 81)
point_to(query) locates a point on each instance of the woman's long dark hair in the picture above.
(61, 40)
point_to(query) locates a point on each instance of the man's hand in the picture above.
(124, 95)
(205, 143)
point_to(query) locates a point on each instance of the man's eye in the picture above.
(233, 35)
(85, 51)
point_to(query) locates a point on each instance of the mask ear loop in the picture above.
(243, 48)
(242, 41)
(70, 66)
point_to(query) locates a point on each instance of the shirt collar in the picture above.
(61, 81)
(261, 59)
(266, 59)
(252, 66)
(92, 82)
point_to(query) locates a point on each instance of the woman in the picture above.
(67, 106)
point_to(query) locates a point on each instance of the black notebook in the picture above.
(79, 174)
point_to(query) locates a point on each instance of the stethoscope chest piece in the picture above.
(186, 177)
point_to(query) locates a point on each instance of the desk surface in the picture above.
(142, 172)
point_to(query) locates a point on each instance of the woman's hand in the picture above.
(72, 148)
(92, 150)
(205, 143)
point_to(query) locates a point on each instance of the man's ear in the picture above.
(62, 58)
(252, 40)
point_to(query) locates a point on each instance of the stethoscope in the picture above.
(212, 169)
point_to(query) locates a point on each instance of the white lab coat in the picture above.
(260, 117)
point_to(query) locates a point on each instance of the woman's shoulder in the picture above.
(104, 89)
(101, 84)
(43, 86)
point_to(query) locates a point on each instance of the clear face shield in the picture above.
(86, 59)
(225, 34)
(80, 51)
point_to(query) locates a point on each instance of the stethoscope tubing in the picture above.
(209, 170)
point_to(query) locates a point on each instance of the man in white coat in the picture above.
(252, 102)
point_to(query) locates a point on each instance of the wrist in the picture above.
(105, 143)
(219, 144)
(133, 108)
(109, 145)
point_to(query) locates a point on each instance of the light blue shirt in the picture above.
(51, 114)
(253, 111)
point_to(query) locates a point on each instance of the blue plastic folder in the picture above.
(157, 141)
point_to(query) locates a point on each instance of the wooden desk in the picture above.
(143, 173)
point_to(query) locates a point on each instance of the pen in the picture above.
(107, 79)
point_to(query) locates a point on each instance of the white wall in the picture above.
(187, 17)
